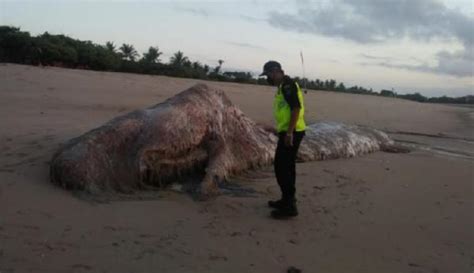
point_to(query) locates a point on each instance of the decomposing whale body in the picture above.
(198, 132)
(331, 140)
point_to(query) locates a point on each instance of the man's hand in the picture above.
(289, 139)
(291, 128)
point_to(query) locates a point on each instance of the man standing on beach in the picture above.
(288, 109)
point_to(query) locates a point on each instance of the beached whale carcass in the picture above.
(198, 132)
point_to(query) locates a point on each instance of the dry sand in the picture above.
(378, 213)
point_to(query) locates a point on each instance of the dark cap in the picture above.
(269, 66)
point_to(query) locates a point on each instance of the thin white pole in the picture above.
(304, 71)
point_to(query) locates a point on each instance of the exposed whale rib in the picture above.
(198, 132)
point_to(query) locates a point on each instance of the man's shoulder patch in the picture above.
(290, 92)
(289, 88)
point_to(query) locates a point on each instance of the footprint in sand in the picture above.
(36, 144)
(328, 171)
(6, 170)
(21, 154)
(122, 109)
(82, 266)
(214, 257)
(49, 137)
(31, 161)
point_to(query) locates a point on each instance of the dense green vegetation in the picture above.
(18, 46)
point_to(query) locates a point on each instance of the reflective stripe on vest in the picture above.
(282, 111)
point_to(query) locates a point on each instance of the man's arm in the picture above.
(290, 92)
(295, 112)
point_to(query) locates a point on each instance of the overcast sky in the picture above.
(421, 46)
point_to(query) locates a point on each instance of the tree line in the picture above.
(46, 49)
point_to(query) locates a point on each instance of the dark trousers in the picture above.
(285, 165)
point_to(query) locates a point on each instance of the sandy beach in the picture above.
(382, 212)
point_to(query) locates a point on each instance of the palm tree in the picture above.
(152, 56)
(129, 52)
(341, 87)
(187, 63)
(110, 46)
(218, 68)
(206, 68)
(197, 66)
(178, 59)
(332, 84)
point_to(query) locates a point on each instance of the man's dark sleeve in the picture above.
(290, 93)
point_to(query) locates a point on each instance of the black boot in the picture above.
(287, 210)
(278, 204)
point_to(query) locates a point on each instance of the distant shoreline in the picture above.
(67, 52)
(466, 105)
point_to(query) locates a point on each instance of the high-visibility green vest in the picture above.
(282, 111)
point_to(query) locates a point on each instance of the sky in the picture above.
(410, 46)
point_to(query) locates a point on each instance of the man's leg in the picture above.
(286, 164)
(297, 138)
(281, 167)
